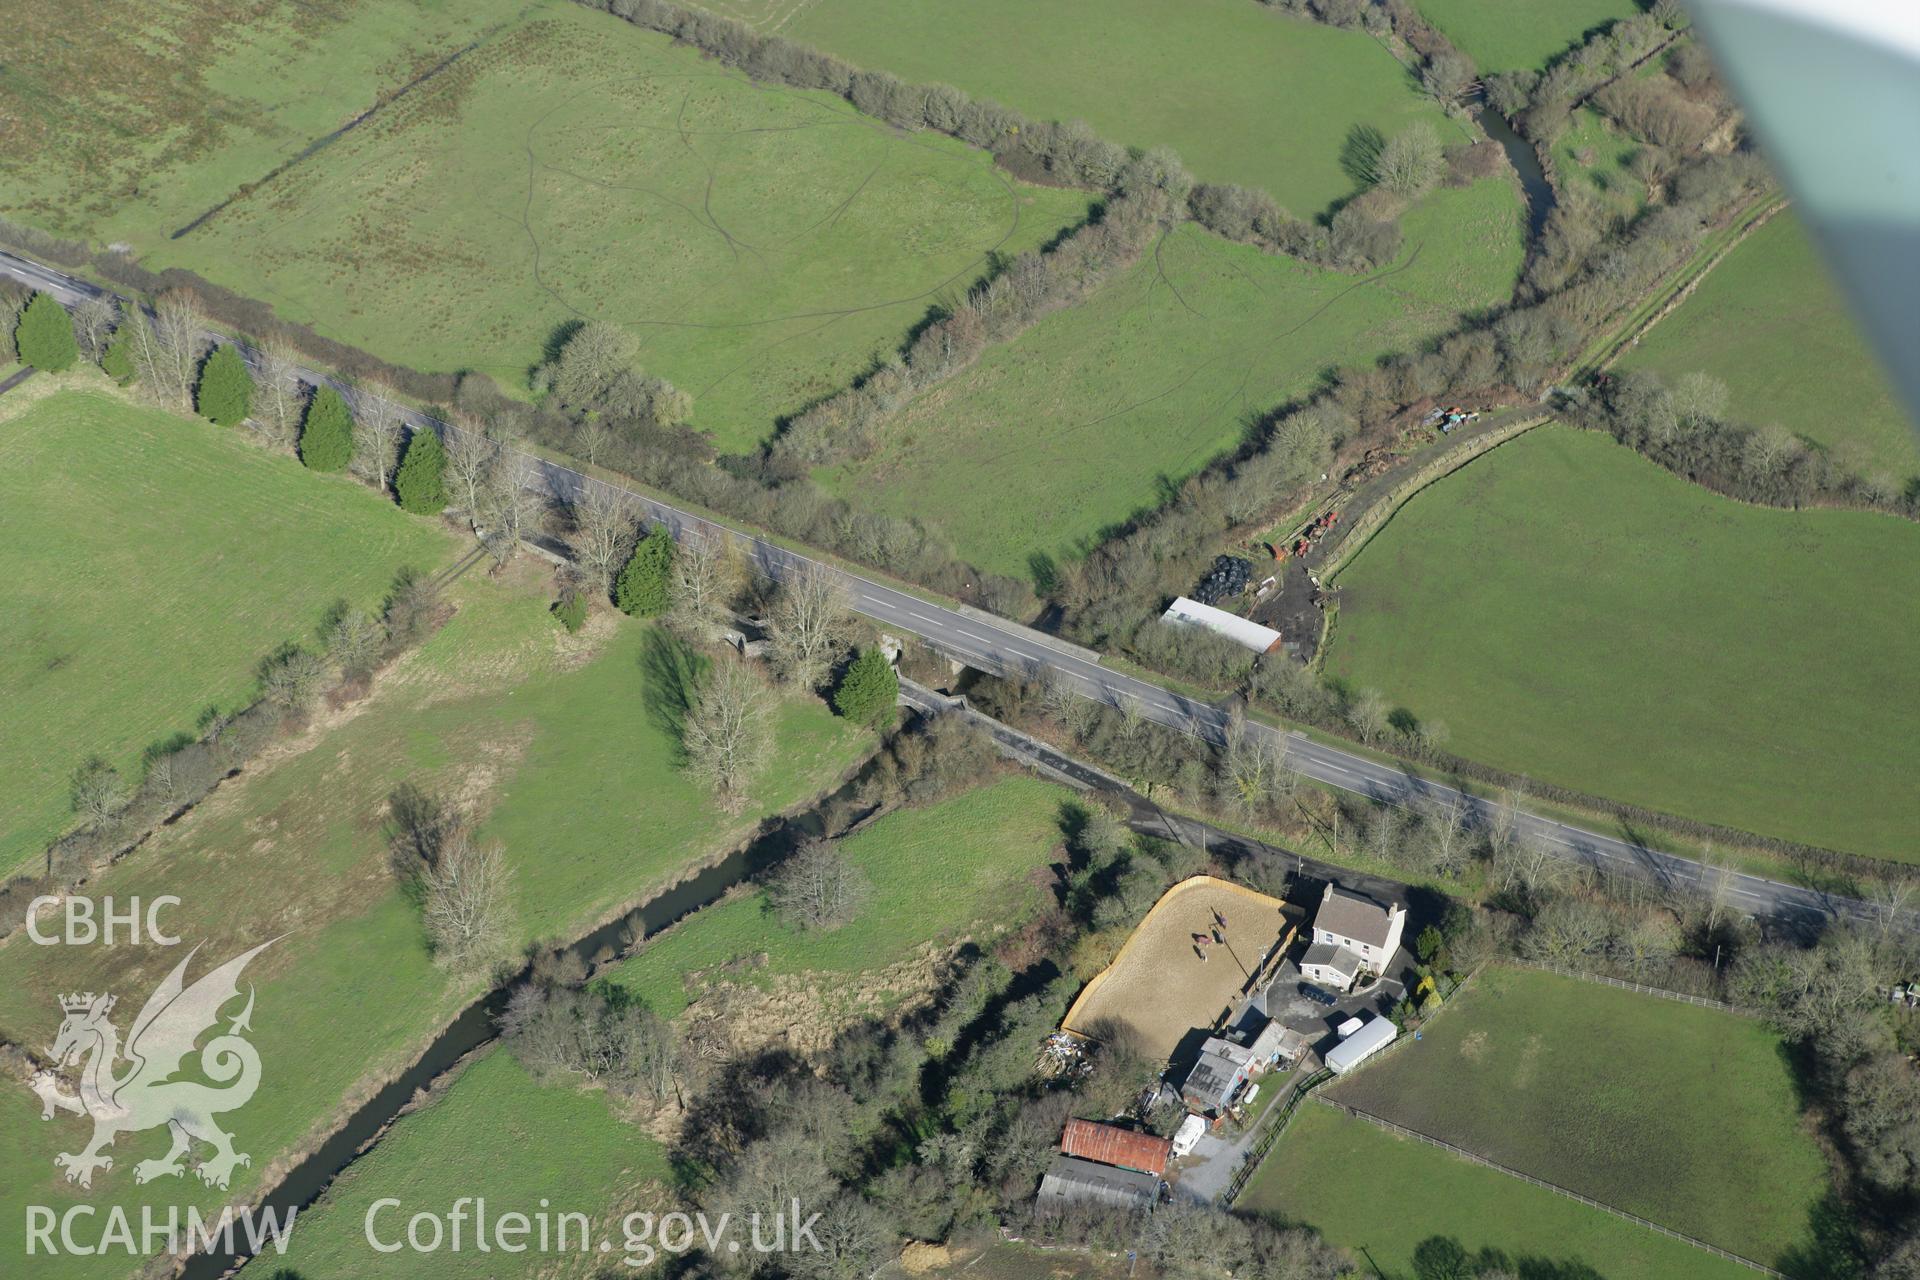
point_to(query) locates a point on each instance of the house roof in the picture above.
(1069, 1179)
(1330, 955)
(1109, 1144)
(1361, 1045)
(1231, 625)
(1347, 914)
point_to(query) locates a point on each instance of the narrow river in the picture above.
(1520, 154)
(475, 1027)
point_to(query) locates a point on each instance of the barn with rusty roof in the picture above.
(1110, 1144)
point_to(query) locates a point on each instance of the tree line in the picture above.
(1066, 153)
(113, 812)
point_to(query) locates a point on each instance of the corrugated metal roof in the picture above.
(1231, 625)
(1110, 1145)
(1071, 1179)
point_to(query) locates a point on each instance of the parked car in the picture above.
(1319, 994)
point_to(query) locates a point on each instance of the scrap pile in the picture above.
(1064, 1057)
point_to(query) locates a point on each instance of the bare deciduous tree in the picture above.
(464, 903)
(355, 642)
(471, 451)
(1527, 864)
(1255, 768)
(98, 792)
(707, 576)
(94, 321)
(817, 888)
(292, 679)
(377, 428)
(509, 507)
(729, 731)
(1074, 713)
(602, 537)
(280, 401)
(809, 625)
(1446, 827)
(166, 348)
(1891, 899)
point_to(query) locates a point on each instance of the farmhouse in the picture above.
(1352, 934)
(1110, 1144)
(1071, 1180)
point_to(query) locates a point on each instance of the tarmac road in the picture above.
(1004, 648)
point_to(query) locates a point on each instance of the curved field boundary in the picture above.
(1442, 465)
(1391, 1127)
(1144, 929)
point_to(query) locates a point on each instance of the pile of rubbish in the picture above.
(1064, 1056)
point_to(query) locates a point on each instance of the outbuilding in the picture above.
(1361, 1045)
(1192, 613)
(1071, 1180)
(1222, 1068)
(1110, 1144)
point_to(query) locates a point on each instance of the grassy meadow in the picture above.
(764, 245)
(1082, 419)
(1245, 94)
(1769, 322)
(1381, 1196)
(1513, 35)
(938, 871)
(148, 563)
(565, 744)
(494, 1133)
(125, 120)
(1571, 610)
(1642, 1103)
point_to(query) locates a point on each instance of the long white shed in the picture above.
(1361, 1045)
(1231, 625)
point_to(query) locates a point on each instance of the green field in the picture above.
(764, 245)
(565, 744)
(1575, 612)
(1592, 158)
(1770, 324)
(497, 1134)
(147, 564)
(1244, 94)
(1381, 1196)
(936, 872)
(125, 121)
(1512, 35)
(1074, 425)
(1642, 1103)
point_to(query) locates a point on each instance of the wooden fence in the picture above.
(1275, 1127)
(1705, 1002)
(1554, 1187)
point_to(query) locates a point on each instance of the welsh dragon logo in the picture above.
(144, 1095)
